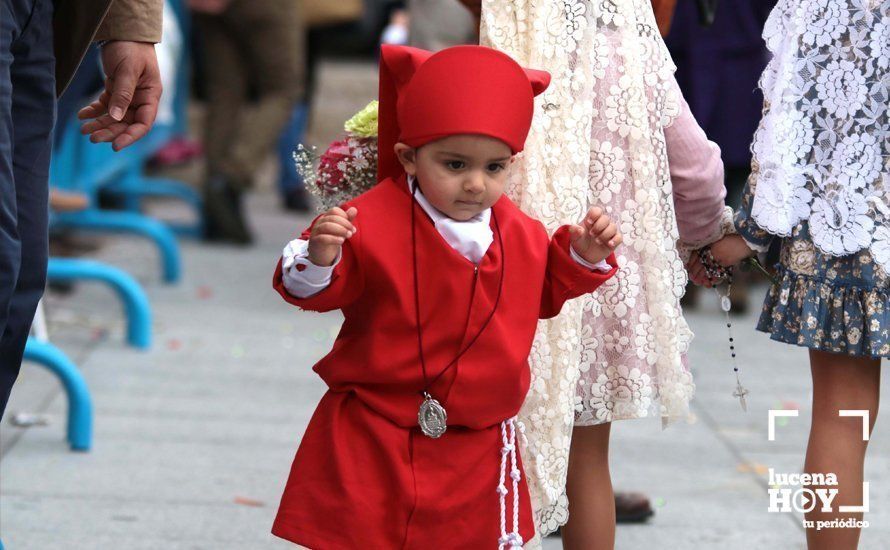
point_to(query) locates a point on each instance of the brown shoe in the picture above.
(632, 508)
(67, 201)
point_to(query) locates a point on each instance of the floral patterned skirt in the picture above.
(827, 303)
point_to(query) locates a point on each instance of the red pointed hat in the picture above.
(425, 96)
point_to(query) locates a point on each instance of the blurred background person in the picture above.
(314, 14)
(438, 24)
(248, 45)
(351, 29)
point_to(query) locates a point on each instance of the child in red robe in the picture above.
(441, 280)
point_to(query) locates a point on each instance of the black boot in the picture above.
(223, 218)
(297, 200)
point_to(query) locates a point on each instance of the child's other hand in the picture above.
(696, 271)
(596, 237)
(329, 233)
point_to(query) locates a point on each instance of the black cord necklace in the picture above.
(432, 416)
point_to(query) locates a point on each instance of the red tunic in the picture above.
(364, 475)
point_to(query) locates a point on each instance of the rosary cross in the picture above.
(741, 392)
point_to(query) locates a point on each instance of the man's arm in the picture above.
(133, 21)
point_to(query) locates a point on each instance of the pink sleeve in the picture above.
(697, 177)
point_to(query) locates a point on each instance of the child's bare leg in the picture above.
(836, 445)
(591, 524)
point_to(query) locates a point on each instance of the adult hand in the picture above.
(126, 110)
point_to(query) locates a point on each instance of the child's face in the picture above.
(459, 175)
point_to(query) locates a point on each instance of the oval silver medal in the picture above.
(432, 418)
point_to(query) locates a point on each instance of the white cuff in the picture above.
(759, 248)
(310, 279)
(602, 265)
(724, 227)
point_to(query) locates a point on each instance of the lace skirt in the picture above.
(828, 303)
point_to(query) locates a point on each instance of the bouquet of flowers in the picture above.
(348, 167)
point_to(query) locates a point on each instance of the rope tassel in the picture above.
(512, 540)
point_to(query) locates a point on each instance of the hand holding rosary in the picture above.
(715, 274)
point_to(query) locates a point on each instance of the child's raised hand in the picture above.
(329, 233)
(596, 237)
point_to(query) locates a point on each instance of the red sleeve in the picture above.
(565, 278)
(347, 281)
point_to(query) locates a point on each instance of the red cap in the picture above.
(426, 96)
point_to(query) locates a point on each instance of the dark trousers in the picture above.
(253, 44)
(27, 112)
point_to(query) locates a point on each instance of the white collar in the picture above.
(471, 238)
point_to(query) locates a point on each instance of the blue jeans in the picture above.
(291, 136)
(27, 113)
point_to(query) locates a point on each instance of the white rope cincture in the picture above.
(520, 425)
(508, 438)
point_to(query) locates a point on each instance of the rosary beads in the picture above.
(715, 273)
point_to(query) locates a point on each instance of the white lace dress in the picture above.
(598, 139)
(820, 175)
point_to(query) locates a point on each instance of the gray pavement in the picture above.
(194, 439)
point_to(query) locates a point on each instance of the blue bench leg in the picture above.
(134, 187)
(173, 188)
(194, 230)
(128, 222)
(151, 186)
(135, 301)
(80, 405)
